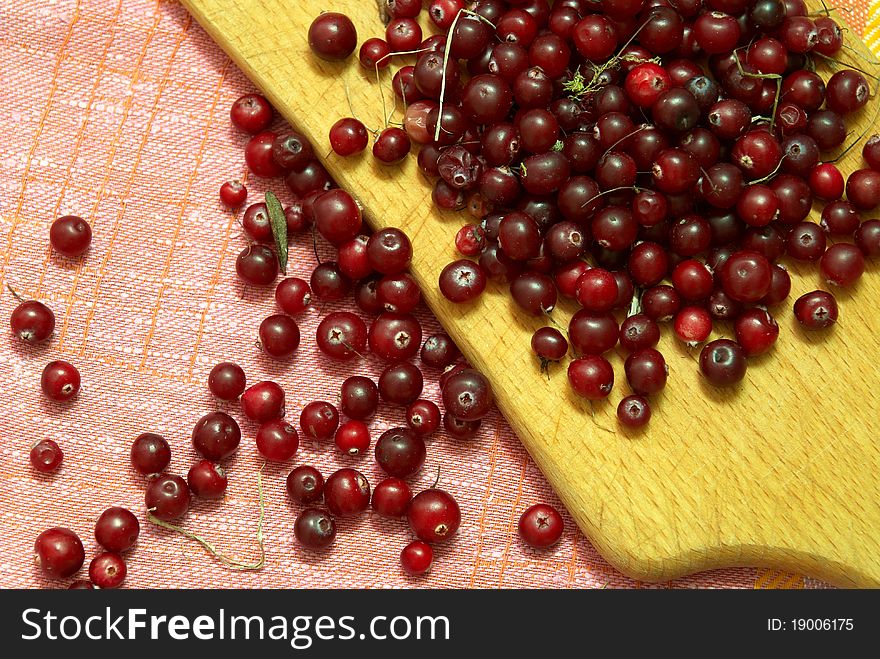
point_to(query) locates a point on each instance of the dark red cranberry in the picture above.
(32, 321)
(256, 265)
(462, 281)
(107, 570)
(167, 497)
(417, 556)
(258, 155)
(842, 264)
(46, 456)
(746, 276)
(279, 336)
(805, 242)
(251, 113)
(305, 485)
(332, 36)
(318, 420)
(541, 526)
(117, 529)
(150, 453)
(314, 528)
(816, 310)
(646, 371)
(207, 480)
(346, 492)
(389, 251)
(328, 282)
(439, 351)
(263, 402)
(226, 381)
(293, 295)
(868, 238)
(723, 362)
(216, 436)
(395, 337)
(60, 381)
(634, 411)
(400, 452)
(348, 136)
(341, 335)
(846, 92)
(358, 397)
(434, 516)
(291, 150)
(277, 440)
(756, 331)
(863, 189)
(423, 417)
(391, 497)
(59, 552)
(591, 377)
(70, 236)
(401, 383)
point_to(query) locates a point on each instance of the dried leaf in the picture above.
(279, 228)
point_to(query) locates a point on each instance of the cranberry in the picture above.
(806, 242)
(59, 552)
(346, 492)
(692, 325)
(871, 152)
(423, 417)
(723, 362)
(226, 381)
(541, 526)
(863, 189)
(258, 155)
(207, 480)
(46, 456)
(314, 528)
(400, 452)
(634, 411)
(395, 337)
(277, 440)
(595, 38)
(846, 92)
(352, 258)
(401, 383)
(348, 136)
(60, 381)
(591, 377)
(358, 397)
(459, 429)
(645, 83)
(462, 281)
(342, 335)
(329, 283)
(434, 515)
(353, 437)
(70, 236)
(263, 402)
(842, 264)
(32, 321)
(251, 113)
(81, 584)
(107, 570)
(279, 336)
(816, 310)
(756, 331)
(868, 238)
(216, 436)
(389, 251)
(746, 276)
(826, 182)
(256, 265)
(150, 453)
(291, 150)
(646, 371)
(549, 345)
(318, 420)
(337, 216)
(391, 497)
(167, 497)
(716, 32)
(392, 145)
(117, 529)
(468, 395)
(332, 36)
(233, 193)
(305, 485)
(661, 302)
(416, 557)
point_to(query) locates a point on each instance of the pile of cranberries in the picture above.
(651, 160)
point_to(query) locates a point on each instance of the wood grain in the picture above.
(783, 471)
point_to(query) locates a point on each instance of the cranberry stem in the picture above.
(15, 294)
(232, 563)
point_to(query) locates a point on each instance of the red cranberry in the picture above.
(216, 436)
(329, 283)
(107, 570)
(423, 417)
(826, 182)
(314, 528)
(756, 331)
(746, 276)
(723, 362)
(332, 36)
(46, 456)
(342, 335)
(251, 113)
(634, 411)
(863, 189)
(150, 453)
(541, 526)
(392, 145)
(305, 485)
(59, 552)
(60, 381)
(692, 325)
(591, 377)
(434, 515)
(417, 556)
(847, 91)
(868, 238)
(348, 136)
(391, 497)
(462, 281)
(117, 529)
(290, 150)
(32, 321)
(395, 337)
(263, 402)
(70, 236)
(842, 264)
(646, 371)
(318, 420)
(167, 497)
(459, 429)
(597, 290)
(358, 397)
(233, 193)
(227, 381)
(207, 480)
(816, 310)
(337, 216)
(346, 492)
(439, 351)
(468, 395)
(256, 265)
(401, 383)
(389, 251)
(353, 437)
(277, 440)
(258, 155)
(279, 336)
(400, 452)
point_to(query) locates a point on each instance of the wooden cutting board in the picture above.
(782, 471)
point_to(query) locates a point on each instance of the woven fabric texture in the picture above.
(118, 112)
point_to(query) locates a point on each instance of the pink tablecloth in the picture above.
(118, 112)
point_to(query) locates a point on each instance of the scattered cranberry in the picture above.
(314, 528)
(400, 452)
(416, 558)
(305, 485)
(348, 136)
(723, 362)
(279, 336)
(46, 456)
(32, 321)
(277, 440)
(107, 570)
(332, 36)
(70, 236)
(150, 453)
(117, 529)
(816, 310)
(259, 157)
(227, 381)
(207, 480)
(263, 402)
(216, 436)
(353, 437)
(59, 552)
(346, 492)
(634, 411)
(468, 395)
(251, 113)
(293, 295)
(60, 381)
(541, 526)
(167, 497)
(423, 417)
(256, 265)
(342, 335)
(391, 497)
(842, 264)
(395, 337)
(233, 193)
(433, 515)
